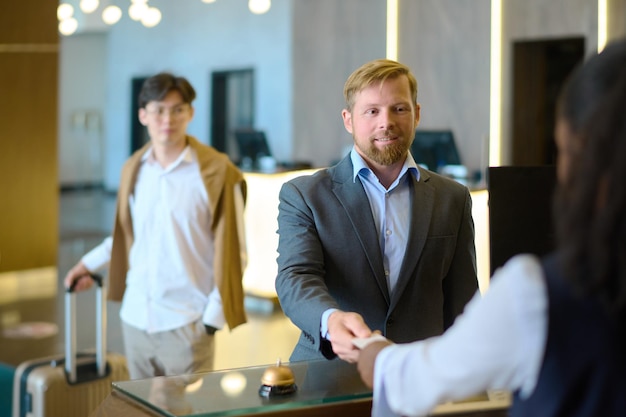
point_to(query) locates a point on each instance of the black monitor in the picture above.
(252, 146)
(520, 211)
(435, 148)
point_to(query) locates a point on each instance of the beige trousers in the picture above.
(185, 350)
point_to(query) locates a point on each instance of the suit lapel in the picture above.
(353, 198)
(422, 206)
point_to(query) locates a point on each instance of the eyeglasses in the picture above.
(175, 112)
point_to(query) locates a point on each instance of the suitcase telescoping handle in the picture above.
(70, 330)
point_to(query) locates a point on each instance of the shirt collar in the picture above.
(185, 156)
(359, 166)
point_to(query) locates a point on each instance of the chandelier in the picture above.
(139, 10)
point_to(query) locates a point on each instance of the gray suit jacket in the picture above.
(329, 257)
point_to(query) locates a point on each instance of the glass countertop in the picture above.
(235, 392)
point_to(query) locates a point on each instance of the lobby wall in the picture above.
(303, 50)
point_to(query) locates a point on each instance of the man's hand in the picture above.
(367, 360)
(80, 275)
(342, 328)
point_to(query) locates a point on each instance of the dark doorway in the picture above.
(138, 133)
(539, 70)
(232, 107)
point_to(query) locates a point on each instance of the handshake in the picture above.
(362, 342)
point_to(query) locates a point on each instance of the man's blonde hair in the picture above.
(373, 72)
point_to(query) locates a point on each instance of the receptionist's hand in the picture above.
(367, 360)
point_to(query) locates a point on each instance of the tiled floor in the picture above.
(31, 302)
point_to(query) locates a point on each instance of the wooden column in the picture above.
(29, 48)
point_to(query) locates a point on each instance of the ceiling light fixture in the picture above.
(89, 6)
(259, 6)
(111, 15)
(67, 23)
(68, 26)
(151, 17)
(139, 11)
(65, 11)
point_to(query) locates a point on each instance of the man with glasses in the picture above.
(177, 253)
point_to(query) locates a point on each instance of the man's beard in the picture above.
(390, 154)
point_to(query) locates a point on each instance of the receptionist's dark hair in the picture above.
(590, 205)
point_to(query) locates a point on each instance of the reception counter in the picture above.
(324, 388)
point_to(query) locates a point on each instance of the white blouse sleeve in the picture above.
(497, 343)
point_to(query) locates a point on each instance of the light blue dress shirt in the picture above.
(391, 210)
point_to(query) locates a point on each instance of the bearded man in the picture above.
(376, 243)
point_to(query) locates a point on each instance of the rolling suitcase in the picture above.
(72, 385)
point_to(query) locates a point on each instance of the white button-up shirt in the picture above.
(497, 343)
(170, 278)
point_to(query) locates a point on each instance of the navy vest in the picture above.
(583, 371)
